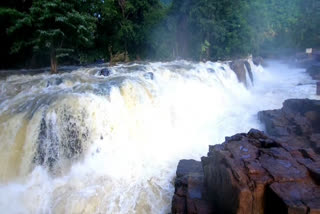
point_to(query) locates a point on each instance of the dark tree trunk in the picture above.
(53, 61)
(122, 4)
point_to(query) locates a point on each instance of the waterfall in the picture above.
(80, 142)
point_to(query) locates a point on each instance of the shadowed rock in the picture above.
(190, 193)
(258, 60)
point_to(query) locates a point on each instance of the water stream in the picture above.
(83, 143)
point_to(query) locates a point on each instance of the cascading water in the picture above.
(82, 143)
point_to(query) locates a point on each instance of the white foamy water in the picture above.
(81, 143)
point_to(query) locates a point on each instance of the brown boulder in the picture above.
(251, 173)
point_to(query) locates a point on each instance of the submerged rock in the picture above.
(66, 144)
(54, 81)
(256, 173)
(149, 75)
(105, 72)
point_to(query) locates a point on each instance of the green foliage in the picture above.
(307, 32)
(90, 30)
(56, 25)
(126, 28)
(220, 23)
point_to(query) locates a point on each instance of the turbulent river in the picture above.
(83, 143)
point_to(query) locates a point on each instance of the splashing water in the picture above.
(81, 143)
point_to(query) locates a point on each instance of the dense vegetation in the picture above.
(83, 31)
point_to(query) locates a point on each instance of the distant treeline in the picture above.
(33, 32)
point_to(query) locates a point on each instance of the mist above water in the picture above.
(82, 143)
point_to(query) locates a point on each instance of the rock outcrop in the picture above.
(252, 173)
(258, 60)
(277, 172)
(241, 67)
(297, 123)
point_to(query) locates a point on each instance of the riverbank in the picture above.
(256, 172)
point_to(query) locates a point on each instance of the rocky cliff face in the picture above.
(297, 123)
(256, 172)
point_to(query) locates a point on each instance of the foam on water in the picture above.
(81, 143)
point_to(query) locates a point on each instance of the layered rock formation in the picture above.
(297, 123)
(256, 172)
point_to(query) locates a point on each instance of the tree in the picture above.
(124, 25)
(307, 31)
(60, 27)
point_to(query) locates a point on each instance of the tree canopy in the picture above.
(34, 31)
(57, 26)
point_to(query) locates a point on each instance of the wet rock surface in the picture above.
(241, 68)
(297, 123)
(257, 172)
(190, 193)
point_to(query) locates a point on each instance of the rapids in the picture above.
(83, 143)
